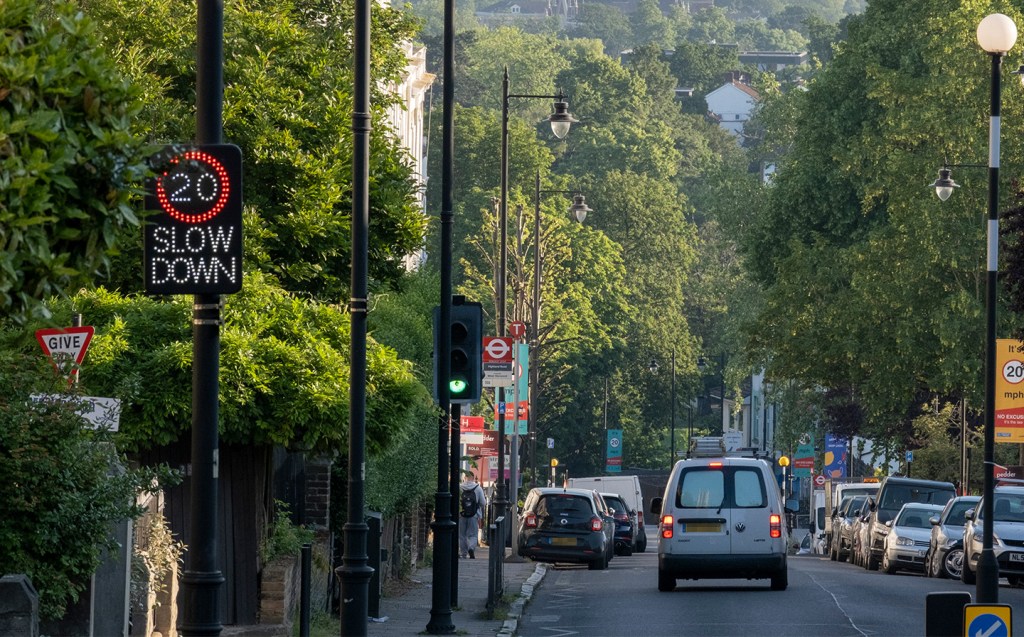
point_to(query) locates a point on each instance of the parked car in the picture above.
(625, 523)
(906, 543)
(721, 518)
(860, 526)
(566, 525)
(841, 544)
(945, 546)
(1007, 540)
(628, 488)
(892, 495)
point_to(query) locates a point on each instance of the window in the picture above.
(702, 489)
(739, 487)
(749, 489)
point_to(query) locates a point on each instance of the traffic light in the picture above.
(465, 343)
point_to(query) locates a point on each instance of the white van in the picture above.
(721, 518)
(629, 488)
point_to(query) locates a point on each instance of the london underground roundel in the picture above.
(193, 238)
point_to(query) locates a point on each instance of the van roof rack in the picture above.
(707, 447)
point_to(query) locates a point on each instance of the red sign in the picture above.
(497, 349)
(469, 424)
(517, 329)
(489, 447)
(66, 347)
(614, 462)
(819, 480)
(803, 463)
(524, 411)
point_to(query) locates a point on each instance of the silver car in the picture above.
(1007, 540)
(945, 549)
(906, 543)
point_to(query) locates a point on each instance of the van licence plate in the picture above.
(563, 541)
(701, 527)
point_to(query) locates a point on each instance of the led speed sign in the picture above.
(193, 244)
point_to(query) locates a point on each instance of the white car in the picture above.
(908, 537)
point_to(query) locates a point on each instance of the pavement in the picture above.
(407, 611)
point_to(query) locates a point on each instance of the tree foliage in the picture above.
(68, 157)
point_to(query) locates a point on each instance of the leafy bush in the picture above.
(61, 486)
(283, 537)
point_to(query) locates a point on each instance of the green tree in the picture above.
(68, 156)
(287, 103)
(650, 26)
(606, 23)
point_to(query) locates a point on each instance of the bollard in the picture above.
(304, 606)
(944, 614)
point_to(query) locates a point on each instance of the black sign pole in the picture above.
(202, 579)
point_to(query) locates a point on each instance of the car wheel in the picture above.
(833, 552)
(780, 580)
(1014, 580)
(952, 564)
(842, 555)
(627, 550)
(642, 544)
(966, 574)
(666, 582)
(887, 564)
(599, 564)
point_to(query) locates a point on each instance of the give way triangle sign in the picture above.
(66, 347)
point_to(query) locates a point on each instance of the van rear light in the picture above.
(531, 521)
(775, 525)
(596, 524)
(666, 526)
(715, 465)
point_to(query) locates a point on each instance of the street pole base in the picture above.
(988, 578)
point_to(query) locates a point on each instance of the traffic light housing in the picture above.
(465, 341)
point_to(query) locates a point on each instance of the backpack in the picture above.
(469, 505)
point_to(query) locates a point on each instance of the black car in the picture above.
(566, 525)
(842, 527)
(625, 523)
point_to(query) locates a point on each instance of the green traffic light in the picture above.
(457, 385)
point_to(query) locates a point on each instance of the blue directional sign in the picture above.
(987, 620)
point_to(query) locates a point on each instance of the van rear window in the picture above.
(730, 487)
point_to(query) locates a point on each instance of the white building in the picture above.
(732, 104)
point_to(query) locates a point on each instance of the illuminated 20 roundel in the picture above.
(195, 188)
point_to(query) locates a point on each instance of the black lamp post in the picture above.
(560, 120)
(355, 571)
(444, 526)
(996, 35)
(579, 210)
(653, 366)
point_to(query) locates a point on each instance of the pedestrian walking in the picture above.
(471, 515)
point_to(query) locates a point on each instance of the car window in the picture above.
(559, 505)
(701, 488)
(957, 511)
(896, 496)
(1008, 508)
(749, 490)
(616, 505)
(740, 487)
(914, 519)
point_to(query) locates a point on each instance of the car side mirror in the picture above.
(871, 505)
(969, 514)
(790, 510)
(934, 520)
(888, 523)
(656, 506)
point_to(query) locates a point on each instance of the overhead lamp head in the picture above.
(997, 33)
(653, 366)
(579, 208)
(944, 185)
(561, 119)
